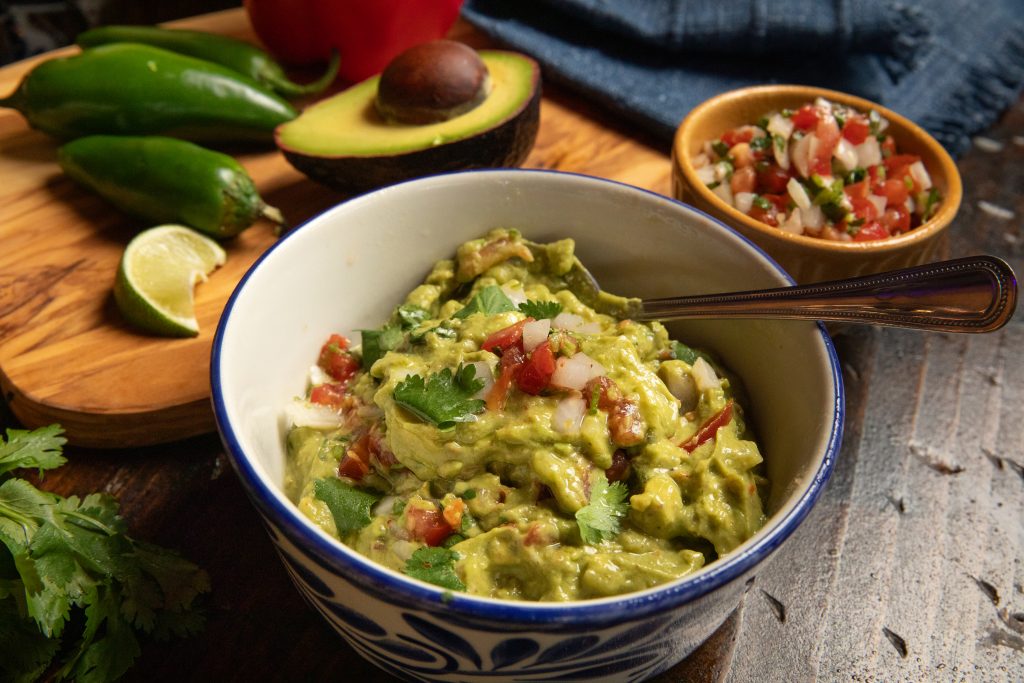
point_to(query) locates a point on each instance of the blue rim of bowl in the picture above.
(393, 587)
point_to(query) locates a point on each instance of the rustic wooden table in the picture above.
(909, 568)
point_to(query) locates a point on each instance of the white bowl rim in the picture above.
(371, 576)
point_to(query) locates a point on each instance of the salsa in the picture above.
(825, 170)
(507, 436)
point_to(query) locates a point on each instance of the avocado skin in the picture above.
(505, 145)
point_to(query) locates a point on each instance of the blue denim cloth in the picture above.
(950, 65)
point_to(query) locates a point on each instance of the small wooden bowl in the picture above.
(811, 259)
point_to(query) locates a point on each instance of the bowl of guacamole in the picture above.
(476, 465)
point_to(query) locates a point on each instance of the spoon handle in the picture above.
(972, 294)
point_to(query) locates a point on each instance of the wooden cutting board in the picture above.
(66, 355)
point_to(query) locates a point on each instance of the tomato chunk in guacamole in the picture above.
(512, 434)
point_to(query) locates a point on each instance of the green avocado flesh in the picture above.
(348, 123)
(512, 497)
(343, 142)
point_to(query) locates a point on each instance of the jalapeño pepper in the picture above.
(235, 54)
(133, 89)
(164, 180)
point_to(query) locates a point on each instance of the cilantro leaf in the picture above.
(411, 315)
(378, 342)
(601, 518)
(436, 566)
(350, 507)
(540, 309)
(489, 300)
(40, 448)
(444, 399)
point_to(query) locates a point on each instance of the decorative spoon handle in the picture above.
(973, 294)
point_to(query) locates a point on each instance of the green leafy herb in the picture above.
(780, 142)
(874, 122)
(931, 203)
(489, 300)
(454, 539)
(399, 507)
(378, 342)
(763, 122)
(840, 120)
(761, 143)
(468, 494)
(762, 203)
(908, 181)
(720, 148)
(444, 399)
(436, 566)
(684, 353)
(75, 591)
(787, 113)
(856, 175)
(350, 507)
(540, 309)
(713, 184)
(601, 518)
(411, 315)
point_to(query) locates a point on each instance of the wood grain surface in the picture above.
(908, 569)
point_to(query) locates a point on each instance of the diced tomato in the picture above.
(806, 117)
(860, 189)
(767, 216)
(330, 394)
(709, 429)
(898, 161)
(743, 180)
(772, 179)
(336, 360)
(888, 146)
(894, 190)
(827, 132)
(738, 135)
(428, 526)
(856, 130)
(511, 360)
(356, 462)
(506, 337)
(896, 219)
(876, 174)
(780, 201)
(872, 230)
(533, 376)
(864, 208)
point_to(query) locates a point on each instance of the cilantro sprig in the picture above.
(601, 518)
(540, 309)
(489, 300)
(444, 399)
(436, 566)
(76, 592)
(350, 507)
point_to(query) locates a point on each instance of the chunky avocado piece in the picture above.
(345, 143)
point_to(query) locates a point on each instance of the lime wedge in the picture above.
(158, 271)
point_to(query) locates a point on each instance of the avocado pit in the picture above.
(432, 82)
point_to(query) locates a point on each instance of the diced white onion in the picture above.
(920, 175)
(534, 332)
(317, 376)
(909, 205)
(879, 203)
(780, 125)
(793, 223)
(724, 193)
(568, 415)
(800, 152)
(812, 217)
(385, 506)
(685, 389)
(869, 153)
(744, 200)
(706, 174)
(704, 376)
(575, 371)
(302, 413)
(700, 161)
(403, 549)
(722, 171)
(483, 372)
(798, 193)
(515, 294)
(566, 321)
(822, 104)
(846, 154)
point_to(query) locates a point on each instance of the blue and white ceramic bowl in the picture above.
(347, 268)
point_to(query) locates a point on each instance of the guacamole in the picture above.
(509, 433)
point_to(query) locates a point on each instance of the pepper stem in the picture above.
(288, 88)
(273, 214)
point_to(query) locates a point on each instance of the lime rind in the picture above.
(154, 287)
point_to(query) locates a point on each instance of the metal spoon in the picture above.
(972, 294)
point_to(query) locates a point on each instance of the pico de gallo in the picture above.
(504, 436)
(825, 170)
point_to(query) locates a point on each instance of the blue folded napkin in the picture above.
(952, 66)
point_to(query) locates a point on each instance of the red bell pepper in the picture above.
(367, 33)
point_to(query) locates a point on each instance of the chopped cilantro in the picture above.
(489, 300)
(468, 494)
(760, 143)
(399, 507)
(595, 399)
(840, 120)
(454, 539)
(720, 148)
(874, 123)
(378, 342)
(436, 566)
(762, 203)
(350, 507)
(780, 142)
(763, 122)
(908, 181)
(468, 522)
(411, 315)
(856, 175)
(540, 309)
(713, 184)
(444, 399)
(787, 113)
(600, 519)
(75, 591)
(930, 204)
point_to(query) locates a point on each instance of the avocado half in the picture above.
(345, 144)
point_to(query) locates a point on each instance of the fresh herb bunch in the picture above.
(75, 591)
